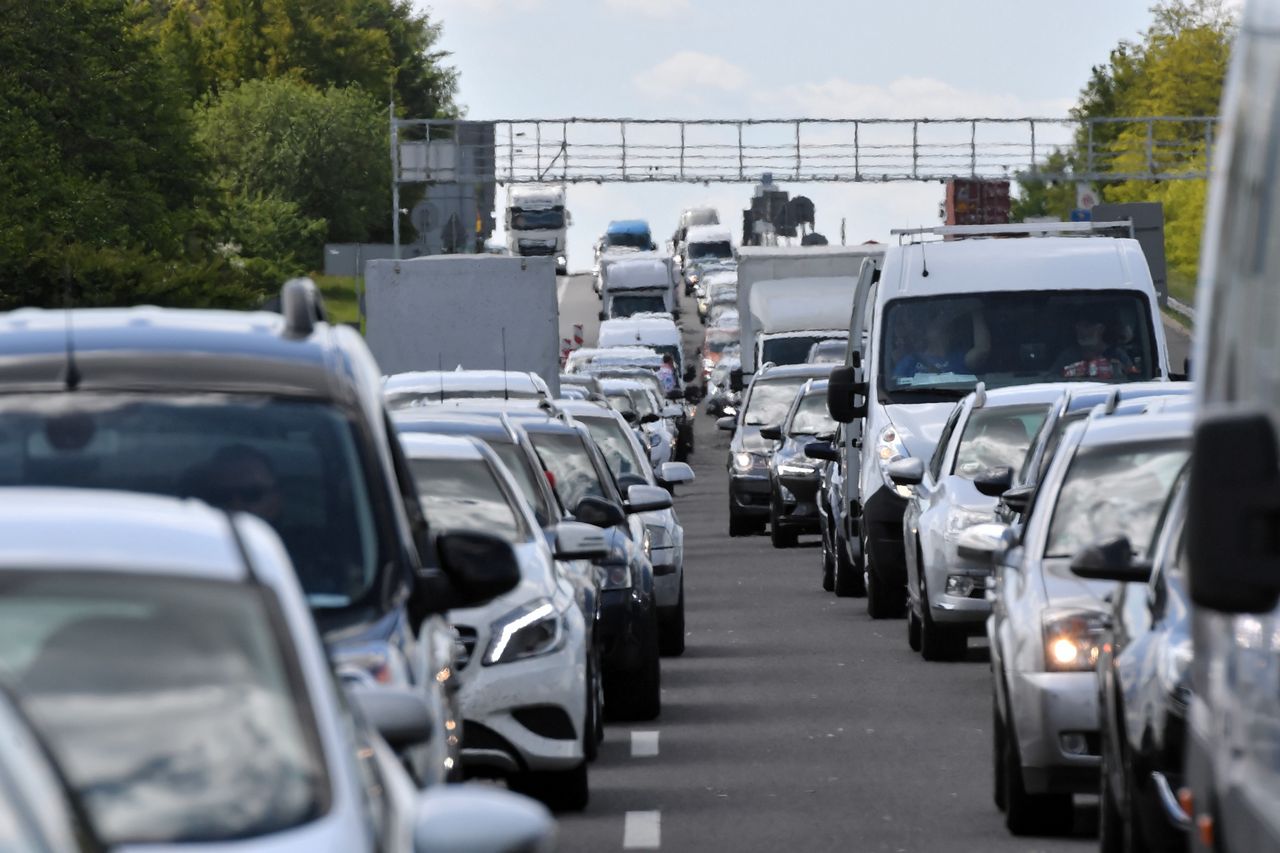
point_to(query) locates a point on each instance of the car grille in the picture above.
(464, 644)
(536, 249)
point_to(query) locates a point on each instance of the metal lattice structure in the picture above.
(578, 150)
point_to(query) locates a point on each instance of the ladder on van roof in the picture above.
(1122, 228)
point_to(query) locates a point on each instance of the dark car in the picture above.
(1144, 693)
(764, 403)
(794, 478)
(279, 415)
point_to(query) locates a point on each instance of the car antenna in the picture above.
(505, 394)
(71, 378)
(924, 262)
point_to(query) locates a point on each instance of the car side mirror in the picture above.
(728, 424)
(843, 389)
(690, 373)
(1111, 560)
(994, 482)
(599, 512)
(735, 379)
(824, 450)
(692, 394)
(907, 472)
(480, 566)
(675, 473)
(603, 315)
(400, 715)
(1233, 514)
(1017, 500)
(629, 417)
(480, 817)
(578, 541)
(771, 433)
(985, 543)
(647, 499)
(649, 418)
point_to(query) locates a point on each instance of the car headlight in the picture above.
(797, 469)
(375, 662)
(526, 632)
(889, 449)
(693, 278)
(960, 520)
(1072, 639)
(745, 461)
(658, 536)
(615, 576)
(963, 586)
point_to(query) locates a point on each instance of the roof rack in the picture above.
(302, 307)
(1024, 229)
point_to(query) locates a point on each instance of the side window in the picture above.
(408, 493)
(940, 452)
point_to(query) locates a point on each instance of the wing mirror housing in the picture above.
(629, 417)
(480, 566)
(675, 473)
(650, 418)
(985, 543)
(907, 472)
(843, 391)
(1233, 514)
(578, 541)
(599, 512)
(603, 315)
(1111, 560)
(647, 499)
(1019, 499)
(771, 433)
(476, 817)
(399, 714)
(728, 424)
(823, 450)
(994, 482)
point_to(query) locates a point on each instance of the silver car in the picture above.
(981, 444)
(168, 658)
(1109, 478)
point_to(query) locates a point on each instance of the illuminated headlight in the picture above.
(889, 449)
(615, 576)
(1072, 639)
(961, 585)
(707, 364)
(526, 632)
(730, 411)
(744, 461)
(693, 278)
(795, 469)
(376, 662)
(959, 520)
(561, 261)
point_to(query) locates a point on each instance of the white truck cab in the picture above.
(537, 224)
(633, 285)
(951, 307)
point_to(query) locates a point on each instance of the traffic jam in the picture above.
(272, 582)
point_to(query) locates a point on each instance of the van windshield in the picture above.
(625, 306)
(628, 239)
(719, 249)
(938, 348)
(537, 220)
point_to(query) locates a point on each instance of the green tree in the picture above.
(1046, 198)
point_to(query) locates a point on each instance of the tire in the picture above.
(639, 695)
(740, 526)
(558, 790)
(828, 567)
(1000, 790)
(1031, 814)
(883, 602)
(1111, 829)
(671, 629)
(913, 630)
(848, 581)
(779, 536)
(938, 642)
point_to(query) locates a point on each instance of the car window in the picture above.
(158, 749)
(770, 399)
(1113, 491)
(614, 443)
(812, 417)
(297, 465)
(465, 494)
(567, 459)
(997, 437)
(940, 449)
(518, 464)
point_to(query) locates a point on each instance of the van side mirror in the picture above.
(1233, 514)
(1111, 560)
(843, 389)
(771, 433)
(823, 450)
(480, 566)
(1017, 500)
(994, 482)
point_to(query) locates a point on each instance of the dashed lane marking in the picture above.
(644, 744)
(642, 831)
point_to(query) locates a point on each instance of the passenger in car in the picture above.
(1091, 356)
(941, 354)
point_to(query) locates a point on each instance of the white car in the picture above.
(529, 685)
(167, 657)
(401, 390)
(652, 418)
(630, 466)
(982, 444)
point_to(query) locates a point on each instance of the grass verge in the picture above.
(340, 299)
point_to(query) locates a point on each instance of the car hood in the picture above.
(1064, 589)
(919, 425)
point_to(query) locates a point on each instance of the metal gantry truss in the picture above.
(589, 150)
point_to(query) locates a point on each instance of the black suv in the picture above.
(277, 414)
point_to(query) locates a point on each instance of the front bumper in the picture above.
(749, 495)
(970, 610)
(1045, 707)
(798, 503)
(623, 621)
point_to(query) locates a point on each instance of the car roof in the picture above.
(168, 349)
(99, 530)
(469, 380)
(708, 234)
(1014, 395)
(619, 384)
(817, 371)
(1122, 429)
(586, 409)
(432, 445)
(488, 426)
(1094, 395)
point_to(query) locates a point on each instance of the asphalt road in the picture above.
(793, 721)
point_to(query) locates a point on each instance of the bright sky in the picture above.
(754, 59)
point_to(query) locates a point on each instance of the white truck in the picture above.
(631, 284)
(471, 311)
(791, 298)
(537, 224)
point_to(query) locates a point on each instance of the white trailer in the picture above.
(789, 298)
(537, 224)
(446, 311)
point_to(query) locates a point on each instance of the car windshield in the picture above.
(628, 239)
(997, 437)
(464, 494)
(620, 402)
(791, 349)
(641, 403)
(168, 703)
(1114, 491)
(537, 220)
(513, 456)
(718, 249)
(812, 417)
(625, 306)
(827, 352)
(295, 464)
(616, 446)
(770, 399)
(941, 346)
(567, 459)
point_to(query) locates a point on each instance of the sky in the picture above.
(753, 59)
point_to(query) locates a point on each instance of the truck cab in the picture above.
(636, 285)
(537, 224)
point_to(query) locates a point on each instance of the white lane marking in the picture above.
(642, 831)
(644, 744)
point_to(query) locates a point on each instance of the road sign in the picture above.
(1086, 196)
(1081, 215)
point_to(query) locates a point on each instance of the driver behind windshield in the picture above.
(940, 352)
(1091, 356)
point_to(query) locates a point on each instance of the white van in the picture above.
(658, 332)
(636, 285)
(953, 306)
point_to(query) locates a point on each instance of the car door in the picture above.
(925, 521)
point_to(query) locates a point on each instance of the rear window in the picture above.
(465, 494)
(615, 444)
(518, 464)
(998, 437)
(567, 459)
